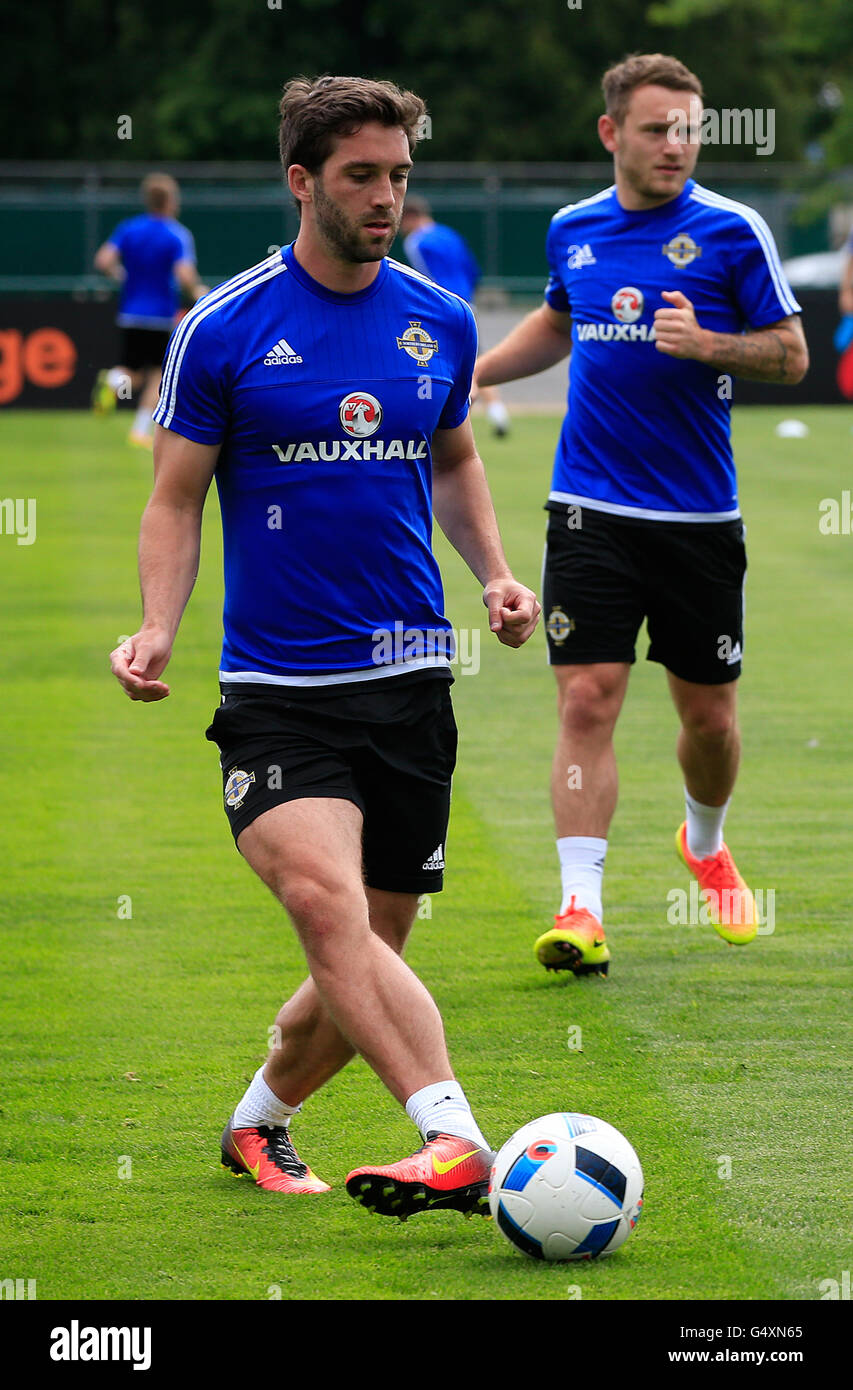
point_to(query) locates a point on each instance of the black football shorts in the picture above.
(143, 347)
(390, 749)
(605, 574)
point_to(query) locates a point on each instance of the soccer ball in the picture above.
(566, 1187)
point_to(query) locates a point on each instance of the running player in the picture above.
(301, 385)
(152, 257)
(662, 291)
(445, 256)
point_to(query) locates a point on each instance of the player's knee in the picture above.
(712, 721)
(588, 703)
(325, 911)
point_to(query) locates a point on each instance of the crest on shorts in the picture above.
(237, 786)
(681, 250)
(417, 342)
(559, 625)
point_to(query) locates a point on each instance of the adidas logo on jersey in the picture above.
(436, 859)
(578, 256)
(282, 355)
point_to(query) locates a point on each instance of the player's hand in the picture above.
(676, 331)
(513, 610)
(138, 661)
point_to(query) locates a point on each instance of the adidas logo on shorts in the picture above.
(436, 859)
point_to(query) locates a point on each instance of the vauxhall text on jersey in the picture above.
(647, 434)
(325, 405)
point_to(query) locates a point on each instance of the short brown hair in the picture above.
(643, 70)
(158, 190)
(416, 206)
(316, 111)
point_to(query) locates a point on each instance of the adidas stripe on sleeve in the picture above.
(194, 391)
(760, 286)
(193, 399)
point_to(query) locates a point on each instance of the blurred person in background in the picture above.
(445, 257)
(843, 336)
(152, 258)
(845, 290)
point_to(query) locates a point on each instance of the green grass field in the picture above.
(127, 1038)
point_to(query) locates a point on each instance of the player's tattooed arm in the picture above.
(775, 353)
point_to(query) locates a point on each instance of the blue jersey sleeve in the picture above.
(186, 242)
(474, 273)
(761, 289)
(194, 394)
(116, 236)
(555, 290)
(456, 406)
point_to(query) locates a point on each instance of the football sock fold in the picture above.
(442, 1108)
(261, 1106)
(582, 871)
(704, 827)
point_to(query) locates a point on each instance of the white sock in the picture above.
(116, 378)
(443, 1109)
(142, 422)
(498, 414)
(704, 827)
(261, 1106)
(582, 871)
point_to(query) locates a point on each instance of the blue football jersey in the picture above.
(325, 405)
(445, 256)
(149, 247)
(647, 434)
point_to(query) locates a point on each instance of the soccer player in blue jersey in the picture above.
(445, 256)
(662, 291)
(152, 257)
(327, 389)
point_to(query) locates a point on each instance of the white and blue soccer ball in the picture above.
(566, 1187)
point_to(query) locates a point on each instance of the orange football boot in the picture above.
(728, 901)
(446, 1174)
(267, 1155)
(575, 942)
